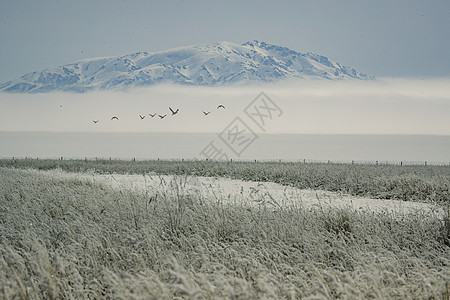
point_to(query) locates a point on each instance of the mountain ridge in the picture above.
(215, 64)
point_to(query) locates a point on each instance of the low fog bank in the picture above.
(382, 106)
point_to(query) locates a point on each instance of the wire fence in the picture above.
(241, 160)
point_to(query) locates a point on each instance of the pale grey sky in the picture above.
(384, 38)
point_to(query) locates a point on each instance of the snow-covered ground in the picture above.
(250, 193)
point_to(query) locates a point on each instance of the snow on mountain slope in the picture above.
(215, 64)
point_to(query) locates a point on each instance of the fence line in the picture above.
(241, 160)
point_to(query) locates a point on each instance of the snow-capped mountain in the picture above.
(215, 64)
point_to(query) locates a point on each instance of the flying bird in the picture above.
(220, 106)
(95, 121)
(206, 113)
(174, 112)
(114, 118)
(142, 117)
(152, 115)
(162, 117)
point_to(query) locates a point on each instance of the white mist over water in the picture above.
(384, 119)
(384, 106)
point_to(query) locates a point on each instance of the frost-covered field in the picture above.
(120, 236)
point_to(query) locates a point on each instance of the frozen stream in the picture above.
(246, 192)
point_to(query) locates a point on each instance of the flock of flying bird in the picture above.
(174, 112)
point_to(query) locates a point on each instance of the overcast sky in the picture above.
(384, 38)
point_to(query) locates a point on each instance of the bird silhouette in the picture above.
(162, 117)
(220, 106)
(174, 112)
(152, 115)
(142, 117)
(114, 118)
(95, 121)
(206, 113)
